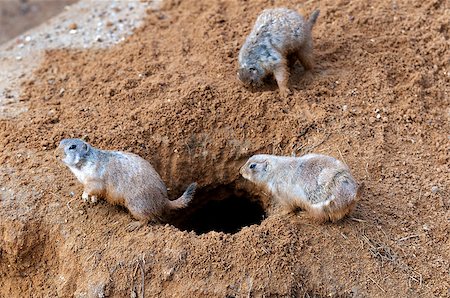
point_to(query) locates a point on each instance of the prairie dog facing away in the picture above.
(121, 178)
(277, 33)
(319, 184)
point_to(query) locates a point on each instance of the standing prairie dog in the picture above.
(277, 33)
(121, 178)
(319, 184)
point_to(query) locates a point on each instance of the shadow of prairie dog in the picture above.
(121, 178)
(319, 184)
(277, 33)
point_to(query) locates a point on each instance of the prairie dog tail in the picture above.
(313, 18)
(344, 193)
(184, 200)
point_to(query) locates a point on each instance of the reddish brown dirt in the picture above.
(378, 99)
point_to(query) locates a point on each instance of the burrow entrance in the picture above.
(222, 208)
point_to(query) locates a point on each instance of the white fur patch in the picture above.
(308, 157)
(299, 192)
(89, 170)
(320, 205)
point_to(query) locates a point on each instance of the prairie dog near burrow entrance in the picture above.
(122, 178)
(319, 184)
(277, 33)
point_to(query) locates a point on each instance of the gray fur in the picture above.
(318, 183)
(121, 178)
(277, 33)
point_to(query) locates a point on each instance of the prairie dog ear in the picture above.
(266, 165)
(85, 148)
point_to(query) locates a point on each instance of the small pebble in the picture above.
(435, 189)
(73, 26)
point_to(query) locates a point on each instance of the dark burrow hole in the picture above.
(223, 208)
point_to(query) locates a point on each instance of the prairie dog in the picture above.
(121, 178)
(277, 33)
(319, 184)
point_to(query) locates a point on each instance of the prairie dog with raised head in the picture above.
(319, 184)
(121, 178)
(277, 33)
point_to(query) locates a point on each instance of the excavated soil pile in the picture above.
(377, 99)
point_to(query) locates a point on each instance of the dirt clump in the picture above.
(377, 99)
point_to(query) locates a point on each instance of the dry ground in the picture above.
(378, 99)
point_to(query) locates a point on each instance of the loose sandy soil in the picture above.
(378, 99)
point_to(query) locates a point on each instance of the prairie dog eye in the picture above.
(72, 147)
(252, 166)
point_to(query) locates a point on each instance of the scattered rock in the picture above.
(73, 26)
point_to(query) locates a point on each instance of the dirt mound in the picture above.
(377, 99)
